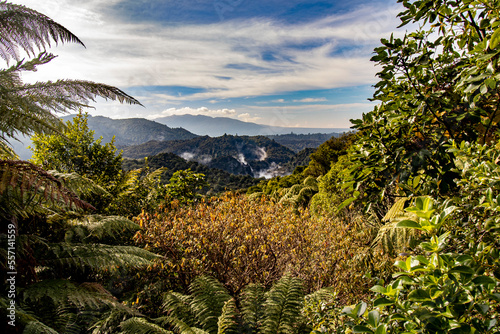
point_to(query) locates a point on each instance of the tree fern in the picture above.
(37, 327)
(282, 307)
(178, 306)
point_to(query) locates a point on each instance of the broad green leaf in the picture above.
(418, 295)
(483, 280)
(495, 39)
(462, 270)
(409, 224)
(374, 318)
(379, 289)
(382, 302)
(361, 329)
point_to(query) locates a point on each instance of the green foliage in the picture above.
(77, 151)
(328, 153)
(437, 83)
(210, 309)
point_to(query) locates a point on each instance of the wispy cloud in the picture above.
(310, 99)
(194, 111)
(223, 59)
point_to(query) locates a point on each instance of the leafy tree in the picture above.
(437, 83)
(77, 151)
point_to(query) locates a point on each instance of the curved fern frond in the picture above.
(393, 239)
(80, 185)
(178, 306)
(282, 308)
(138, 325)
(396, 210)
(37, 327)
(26, 29)
(97, 258)
(209, 297)
(22, 182)
(64, 293)
(228, 320)
(183, 328)
(101, 227)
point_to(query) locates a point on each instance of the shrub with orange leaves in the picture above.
(240, 241)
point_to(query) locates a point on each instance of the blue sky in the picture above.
(283, 63)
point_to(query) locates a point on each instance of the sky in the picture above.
(275, 62)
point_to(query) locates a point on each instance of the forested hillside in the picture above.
(133, 131)
(393, 228)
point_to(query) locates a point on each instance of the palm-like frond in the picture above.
(282, 306)
(22, 28)
(138, 325)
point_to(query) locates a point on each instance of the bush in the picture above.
(241, 242)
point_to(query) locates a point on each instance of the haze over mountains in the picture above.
(240, 148)
(218, 126)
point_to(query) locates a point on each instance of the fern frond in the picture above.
(102, 227)
(282, 308)
(80, 185)
(396, 210)
(22, 181)
(22, 28)
(393, 239)
(63, 293)
(97, 257)
(228, 320)
(209, 297)
(37, 327)
(178, 306)
(252, 298)
(183, 328)
(138, 325)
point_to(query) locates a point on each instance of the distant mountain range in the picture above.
(257, 156)
(218, 126)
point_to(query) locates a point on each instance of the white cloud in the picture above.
(246, 117)
(279, 101)
(309, 100)
(194, 111)
(132, 54)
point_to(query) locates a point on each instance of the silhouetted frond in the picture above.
(22, 181)
(22, 28)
